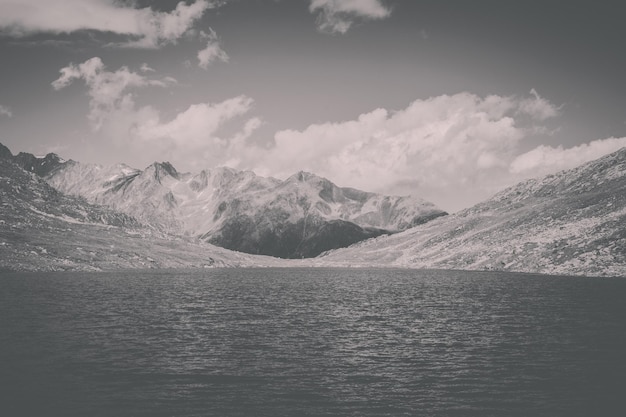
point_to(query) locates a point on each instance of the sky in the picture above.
(448, 100)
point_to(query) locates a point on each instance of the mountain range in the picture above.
(572, 222)
(42, 229)
(301, 216)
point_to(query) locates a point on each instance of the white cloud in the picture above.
(454, 150)
(5, 111)
(212, 52)
(147, 28)
(545, 160)
(108, 90)
(196, 125)
(537, 107)
(146, 68)
(194, 138)
(337, 16)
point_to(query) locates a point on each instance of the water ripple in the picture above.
(311, 342)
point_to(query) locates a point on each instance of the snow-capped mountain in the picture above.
(42, 229)
(300, 217)
(573, 222)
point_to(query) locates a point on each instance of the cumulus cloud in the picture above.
(538, 107)
(204, 135)
(146, 68)
(196, 125)
(455, 150)
(193, 138)
(147, 28)
(212, 52)
(545, 160)
(5, 111)
(463, 144)
(107, 90)
(337, 16)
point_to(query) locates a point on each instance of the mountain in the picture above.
(5, 152)
(302, 216)
(42, 229)
(573, 222)
(41, 166)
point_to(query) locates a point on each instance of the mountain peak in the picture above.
(302, 176)
(41, 166)
(161, 170)
(52, 156)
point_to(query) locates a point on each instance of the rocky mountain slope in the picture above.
(573, 222)
(43, 230)
(302, 216)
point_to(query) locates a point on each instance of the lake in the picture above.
(311, 342)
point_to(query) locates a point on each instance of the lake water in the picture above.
(309, 342)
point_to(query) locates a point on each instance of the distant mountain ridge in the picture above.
(302, 216)
(572, 222)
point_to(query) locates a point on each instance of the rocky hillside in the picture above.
(573, 222)
(43, 230)
(302, 216)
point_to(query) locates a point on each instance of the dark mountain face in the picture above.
(305, 238)
(160, 170)
(306, 215)
(5, 152)
(40, 166)
(31, 163)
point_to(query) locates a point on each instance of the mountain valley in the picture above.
(64, 215)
